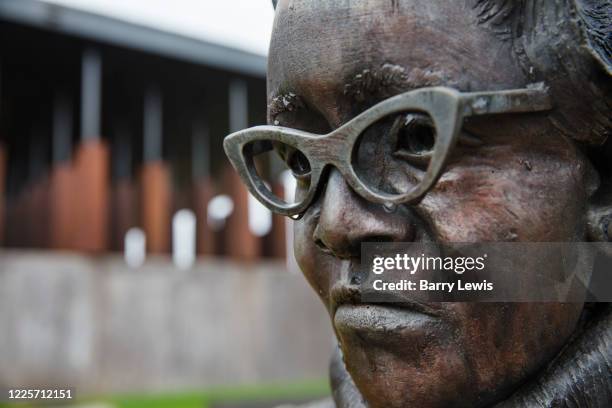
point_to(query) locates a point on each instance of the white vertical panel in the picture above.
(289, 186)
(183, 239)
(218, 210)
(260, 218)
(134, 247)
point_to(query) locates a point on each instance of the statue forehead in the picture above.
(322, 49)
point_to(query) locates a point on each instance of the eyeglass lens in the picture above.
(284, 172)
(392, 155)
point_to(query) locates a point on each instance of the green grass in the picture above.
(203, 399)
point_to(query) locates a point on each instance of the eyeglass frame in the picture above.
(446, 107)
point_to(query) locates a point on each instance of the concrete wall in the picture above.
(95, 325)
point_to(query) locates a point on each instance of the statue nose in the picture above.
(346, 220)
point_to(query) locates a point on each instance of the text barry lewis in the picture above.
(425, 285)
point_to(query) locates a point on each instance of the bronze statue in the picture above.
(532, 163)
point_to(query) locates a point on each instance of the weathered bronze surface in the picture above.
(542, 176)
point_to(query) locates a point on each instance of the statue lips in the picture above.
(353, 295)
(389, 321)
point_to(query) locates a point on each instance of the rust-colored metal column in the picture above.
(240, 243)
(155, 177)
(62, 222)
(156, 205)
(206, 238)
(91, 196)
(91, 182)
(61, 206)
(203, 189)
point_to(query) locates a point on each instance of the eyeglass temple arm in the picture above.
(534, 98)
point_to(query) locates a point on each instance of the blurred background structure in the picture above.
(108, 125)
(131, 256)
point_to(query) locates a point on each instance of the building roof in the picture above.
(120, 33)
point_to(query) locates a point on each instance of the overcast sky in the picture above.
(244, 24)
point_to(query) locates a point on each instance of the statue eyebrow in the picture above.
(389, 79)
(285, 102)
(368, 85)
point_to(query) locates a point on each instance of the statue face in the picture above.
(522, 182)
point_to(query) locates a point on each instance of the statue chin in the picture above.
(578, 373)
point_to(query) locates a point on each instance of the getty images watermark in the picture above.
(413, 264)
(486, 272)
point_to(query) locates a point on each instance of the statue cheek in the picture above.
(303, 247)
(507, 202)
(314, 265)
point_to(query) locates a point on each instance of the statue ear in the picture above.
(599, 222)
(599, 207)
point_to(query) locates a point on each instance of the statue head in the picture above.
(539, 175)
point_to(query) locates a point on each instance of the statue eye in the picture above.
(414, 136)
(299, 164)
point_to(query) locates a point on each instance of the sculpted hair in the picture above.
(567, 44)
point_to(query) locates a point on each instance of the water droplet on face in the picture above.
(390, 207)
